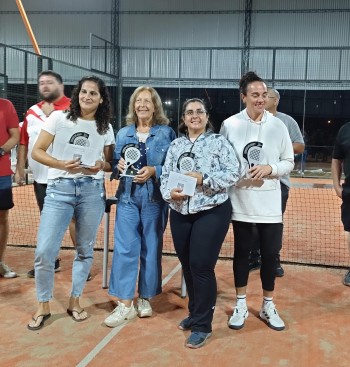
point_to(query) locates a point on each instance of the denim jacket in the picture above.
(157, 144)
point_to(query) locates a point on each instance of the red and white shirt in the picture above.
(34, 120)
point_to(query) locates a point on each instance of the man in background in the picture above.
(9, 137)
(51, 91)
(340, 163)
(273, 98)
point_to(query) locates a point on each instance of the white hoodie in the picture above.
(259, 201)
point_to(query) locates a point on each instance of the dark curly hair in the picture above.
(103, 114)
(182, 126)
(247, 78)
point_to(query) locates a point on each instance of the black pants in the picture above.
(197, 240)
(255, 253)
(40, 193)
(270, 240)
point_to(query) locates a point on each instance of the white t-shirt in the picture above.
(80, 133)
(36, 118)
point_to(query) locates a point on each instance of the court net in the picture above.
(313, 232)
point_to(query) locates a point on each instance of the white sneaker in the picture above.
(270, 315)
(6, 272)
(120, 315)
(239, 315)
(144, 308)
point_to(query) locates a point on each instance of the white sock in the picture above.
(242, 300)
(267, 301)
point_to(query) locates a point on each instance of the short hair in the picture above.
(274, 91)
(246, 79)
(182, 126)
(159, 117)
(51, 73)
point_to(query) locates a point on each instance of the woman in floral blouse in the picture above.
(199, 223)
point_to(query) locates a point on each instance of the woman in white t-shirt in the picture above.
(82, 149)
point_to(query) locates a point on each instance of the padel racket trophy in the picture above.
(253, 154)
(131, 155)
(185, 163)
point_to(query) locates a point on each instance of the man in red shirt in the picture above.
(51, 91)
(9, 137)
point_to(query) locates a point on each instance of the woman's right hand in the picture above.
(176, 194)
(71, 166)
(121, 165)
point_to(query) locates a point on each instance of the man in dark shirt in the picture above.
(341, 163)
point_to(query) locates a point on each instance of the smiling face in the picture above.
(89, 98)
(195, 118)
(50, 89)
(255, 99)
(144, 107)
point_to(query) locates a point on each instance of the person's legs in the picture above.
(6, 203)
(345, 218)
(127, 245)
(284, 199)
(150, 275)
(124, 270)
(270, 245)
(254, 257)
(40, 193)
(89, 209)
(181, 227)
(207, 235)
(244, 235)
(4, 232)
(346, 279)
(54, 220)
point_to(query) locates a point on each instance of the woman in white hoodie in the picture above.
(265, 152)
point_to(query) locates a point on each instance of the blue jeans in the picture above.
(138, 243)
(83, 198)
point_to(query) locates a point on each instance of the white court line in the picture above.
(116, 330)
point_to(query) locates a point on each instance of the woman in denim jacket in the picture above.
(142, 213)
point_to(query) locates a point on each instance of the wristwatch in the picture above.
(2, 152)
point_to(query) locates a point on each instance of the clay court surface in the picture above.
(311, 299)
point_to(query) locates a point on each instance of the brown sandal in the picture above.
(42, 322)
(71, 313)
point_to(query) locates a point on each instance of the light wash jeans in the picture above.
(83, 198)
(138, 244)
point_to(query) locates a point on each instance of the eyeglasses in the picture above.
(197, 112)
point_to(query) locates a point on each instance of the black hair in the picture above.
(182, 126)
(103, 114)
(247, 78)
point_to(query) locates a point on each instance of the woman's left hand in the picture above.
(144, 174)
(196, 175)
(260, 171)
(99, 166)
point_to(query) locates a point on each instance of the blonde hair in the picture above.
(159, 117)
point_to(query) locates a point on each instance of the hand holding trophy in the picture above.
(131, 155)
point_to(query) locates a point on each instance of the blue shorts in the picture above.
(6, 200)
